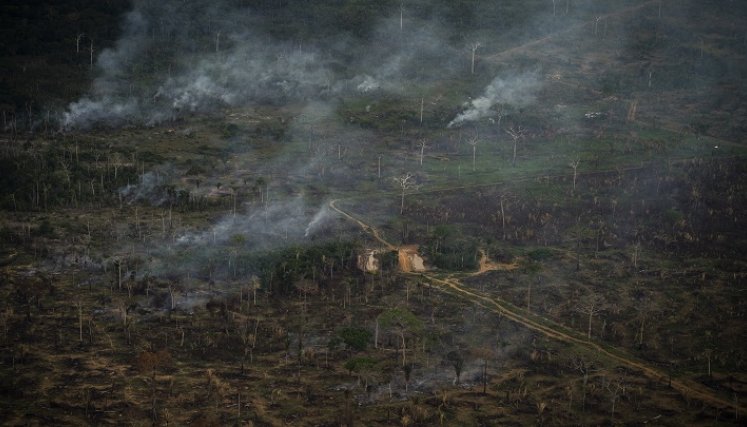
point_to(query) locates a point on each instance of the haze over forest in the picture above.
(354, 212)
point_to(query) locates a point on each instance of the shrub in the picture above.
(355, 338)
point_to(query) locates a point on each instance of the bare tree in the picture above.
(644, 310)
(615, 389)
(502, 200)
(473, 48)
(91, 51)
(422, 106)
(632, 110)
(79, 303)
(422, 144)
(499, 116)
(485, 353)
(517, 134)
(78, 38)
(473, 142)
(405, 183)
(574, 164)
(401, 15)
(708, 354)
(591, 306)
(254, 285)
(585, 367)
(636, 254)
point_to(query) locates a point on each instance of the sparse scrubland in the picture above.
(215, 213)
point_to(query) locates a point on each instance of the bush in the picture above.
(540, 254)
(355, 338)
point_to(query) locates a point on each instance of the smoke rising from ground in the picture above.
(274, 224)
(174, 59)
(151, 187)
(515, 91)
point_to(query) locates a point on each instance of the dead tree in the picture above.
(473, 142)
(596, 24)
(78, 38)
(636, 254)
(584, 367)
(485, 353)
(708, 354)
(574, 164)
(590, 306)
(422, 106)
(516, 134)
(405, 183)
(401, 16)
(473, 48)
(615, 389)
(79, 304)
(632, 110)
(644, 310)
(422, 144)
(91, 52)
(503, 198)
(499, 116)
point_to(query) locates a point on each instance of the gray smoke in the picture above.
(151, 187)
(271, 225)
(516, 90)
(176, 58)
(396, 58)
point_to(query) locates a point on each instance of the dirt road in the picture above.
(551, 329)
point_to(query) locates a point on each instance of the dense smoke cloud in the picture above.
(174, 59)
(516, 91)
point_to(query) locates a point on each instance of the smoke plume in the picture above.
(516, 91)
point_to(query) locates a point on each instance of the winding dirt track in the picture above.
(549, 328)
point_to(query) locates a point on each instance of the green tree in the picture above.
(362, 367)
(403, 323)
(355, 338)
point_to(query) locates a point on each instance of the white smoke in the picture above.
(321, 216)
(176, 58)
(271, 225)
(516, 90)
(369, 84)
(238, 68)
(151, 186)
